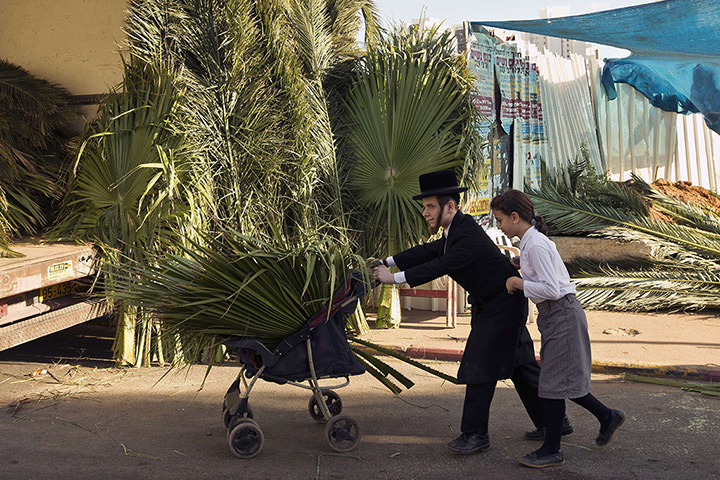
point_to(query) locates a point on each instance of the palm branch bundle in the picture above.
(263, 80)
(236, 286)
(36, 119)
(683, 270)
(202, 136)
(127, 192)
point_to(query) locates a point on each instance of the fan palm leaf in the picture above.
(407, 111)
(407, 114)
(126, 195)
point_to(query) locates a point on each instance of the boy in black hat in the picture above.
(499, 345)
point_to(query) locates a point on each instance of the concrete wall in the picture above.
(73, 43)
(599, 248)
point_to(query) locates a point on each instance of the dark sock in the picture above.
(594, 406)
(554, 414)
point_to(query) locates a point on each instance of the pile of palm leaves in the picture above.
(683, 271)
(35, 125)
(236, 286)
(221, 123)
(216, 179)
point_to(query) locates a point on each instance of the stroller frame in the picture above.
(245, 438)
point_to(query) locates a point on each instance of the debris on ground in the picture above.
(626, 332)
(710, 389)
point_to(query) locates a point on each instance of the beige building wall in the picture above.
(74, 43)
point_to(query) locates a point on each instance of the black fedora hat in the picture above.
(442, 182)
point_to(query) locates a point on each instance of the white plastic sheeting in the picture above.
(567, 110)
(567, 114)
(636, 137)
(697, 153)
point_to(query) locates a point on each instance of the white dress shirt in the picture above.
(543, 271)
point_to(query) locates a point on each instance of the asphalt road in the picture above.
(90, 421)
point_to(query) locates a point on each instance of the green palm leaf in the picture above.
(571, 214)
(645, 289)
(407, 115)
(236, 286)
(682, 271)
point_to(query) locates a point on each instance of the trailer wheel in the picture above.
(342, 433)
(333, 402)
(245, 439)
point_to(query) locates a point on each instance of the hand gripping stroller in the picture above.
(318, 351)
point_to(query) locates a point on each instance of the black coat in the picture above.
(498, 340)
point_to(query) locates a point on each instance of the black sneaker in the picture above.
(539, 434)
(533, 461)
(617, 418)
(469, 443)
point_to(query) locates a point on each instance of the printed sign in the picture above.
(60, 270)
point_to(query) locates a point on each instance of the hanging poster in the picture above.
(481, 61)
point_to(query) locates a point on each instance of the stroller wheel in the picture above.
(227, 418)
(333, 402)
(342, 433)
(245, 439)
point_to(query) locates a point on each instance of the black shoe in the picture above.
(469, 443)
(533, 461)
(617, 418)
(539, 434)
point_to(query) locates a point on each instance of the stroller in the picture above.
(318, 351)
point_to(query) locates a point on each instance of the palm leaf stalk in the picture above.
(683, 270)
(408, 113)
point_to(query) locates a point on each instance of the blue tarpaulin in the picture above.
(675, 45)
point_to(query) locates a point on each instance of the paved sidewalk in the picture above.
(673, 345)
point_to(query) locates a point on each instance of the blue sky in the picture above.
(455, 11)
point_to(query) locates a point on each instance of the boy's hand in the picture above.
(514, 283)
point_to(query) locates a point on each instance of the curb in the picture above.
(702, 373)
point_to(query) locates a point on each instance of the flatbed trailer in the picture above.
(42, 292)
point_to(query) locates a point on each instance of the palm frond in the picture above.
(637, 289)
(35, 124)
(407, 113)
(236, 286)
(572, 215)
(660, 250)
